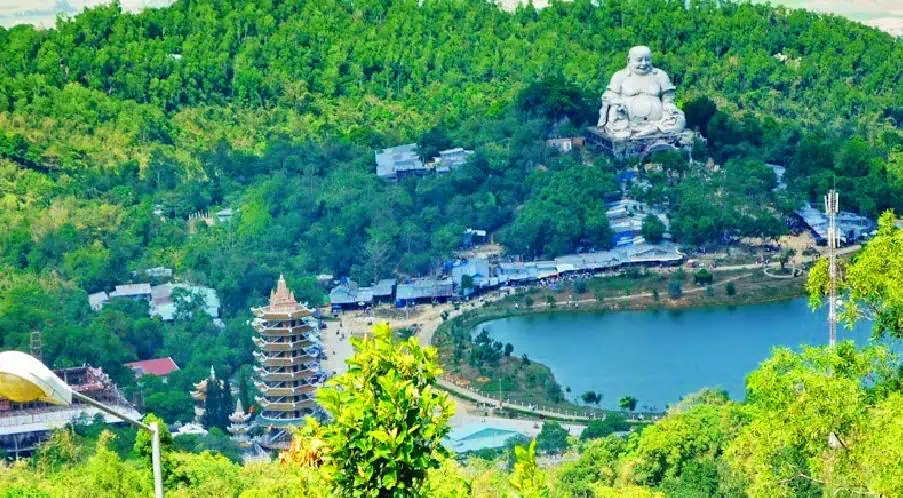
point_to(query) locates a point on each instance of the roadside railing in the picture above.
(552, 412)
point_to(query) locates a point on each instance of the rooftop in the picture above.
(478, 436)
(163, 305)
(421, 288)
(157, 366)
(394, 160)
(97, 299)
(131, 290)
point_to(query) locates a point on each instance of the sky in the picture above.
(884, 14)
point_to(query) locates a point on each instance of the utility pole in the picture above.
(831, 203)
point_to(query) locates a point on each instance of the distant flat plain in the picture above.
(884, 14)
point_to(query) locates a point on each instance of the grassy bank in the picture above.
(492, 368)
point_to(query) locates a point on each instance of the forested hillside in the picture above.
(274, 108)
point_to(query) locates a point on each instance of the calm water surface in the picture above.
(658, 356)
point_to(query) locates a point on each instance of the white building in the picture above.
(395, 162)
(451, 159)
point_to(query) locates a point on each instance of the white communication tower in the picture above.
(831, 203)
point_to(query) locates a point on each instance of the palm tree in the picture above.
(627, 403)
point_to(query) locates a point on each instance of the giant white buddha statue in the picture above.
(639, 101)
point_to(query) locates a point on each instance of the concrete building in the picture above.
(165, 299)
(400, 161)
(451, 159)
(97, 300)
(566, 144)
(162, 299)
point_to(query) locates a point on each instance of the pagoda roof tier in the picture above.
(238, 428)
(280, 330)
(282, 304)
(239, 418)
(313, 350)
(265, 345)
(283, 362)
(270, 314)
(287, 376)
(308, 368)
(284, 391)
(269, 421)
(286, 406)
(199, 411)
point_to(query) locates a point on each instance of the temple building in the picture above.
(24, 426)
(238, 427)
(288, 353)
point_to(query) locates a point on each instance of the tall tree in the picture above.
(213, 408)
(388, 418)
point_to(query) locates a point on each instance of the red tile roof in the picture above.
(156, 366)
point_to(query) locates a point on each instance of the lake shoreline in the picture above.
(793, 289)
(754, 292)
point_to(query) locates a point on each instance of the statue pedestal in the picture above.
(623, 149)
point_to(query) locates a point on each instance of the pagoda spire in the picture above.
(281, 297)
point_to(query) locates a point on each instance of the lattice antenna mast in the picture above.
(36, 344)
(831, 203)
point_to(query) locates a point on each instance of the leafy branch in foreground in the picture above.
(871, 284)
(388, 420)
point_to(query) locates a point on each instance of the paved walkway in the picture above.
(546, 412)
(479, 398)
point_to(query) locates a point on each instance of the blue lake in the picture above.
(660, 355)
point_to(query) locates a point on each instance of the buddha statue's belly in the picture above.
(644, 107)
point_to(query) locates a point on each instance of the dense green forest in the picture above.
(274, 108)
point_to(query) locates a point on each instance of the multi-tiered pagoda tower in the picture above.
(238, 428)
(288, 372)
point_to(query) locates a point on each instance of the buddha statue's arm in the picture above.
(613, 90)
(668, 89)
(611, 97)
